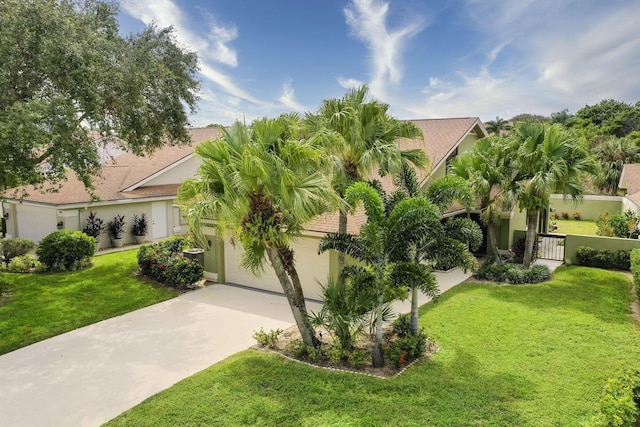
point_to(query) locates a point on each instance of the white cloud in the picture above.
(349, 83)
(367, 20)
(215, 48)
(288, 98)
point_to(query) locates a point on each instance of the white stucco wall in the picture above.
(35, 222)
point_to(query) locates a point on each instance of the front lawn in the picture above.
(44, 305)
(535, 355)
(572, 226)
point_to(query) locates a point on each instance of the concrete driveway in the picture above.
(90, 375)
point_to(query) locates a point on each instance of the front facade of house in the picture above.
(128, 185)
(443, 140)
(134, 185)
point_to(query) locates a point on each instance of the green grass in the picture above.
(572, 226)
(534, 355)
(45, 305)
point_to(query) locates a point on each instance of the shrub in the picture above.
(267, 339)
(24, 264)
(602, 258)
(565, 215)
(624, 225)
(512, 273)
(554, 215)
(94, 226)
(619, 402)
(402, 325)
(576, 216)
(140, 225)
(115, 227)
(163, 261)
(65, 250)
(405, 349)
(358, 358)
(11, 248)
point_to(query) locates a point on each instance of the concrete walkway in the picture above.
(90, 375)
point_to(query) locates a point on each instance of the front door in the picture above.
(159, 219)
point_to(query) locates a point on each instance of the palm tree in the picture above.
(362, 136)
(497, 125)
(387, 248)
(259, 185)
(545, 161)
(488, 173)
(611, 156)
(437, 247)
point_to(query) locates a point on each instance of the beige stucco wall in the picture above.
(573, 242)
(590, 207)
(176, 174)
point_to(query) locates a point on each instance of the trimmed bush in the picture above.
(11, 248)
(619, 402)
(24, 264)
(163, 262)
(602, 258)
(66, 250)
(512, 273)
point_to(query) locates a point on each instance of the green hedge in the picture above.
(512, 273)
(619, 402)
(66, 250)
(163, 261)
(602, 258)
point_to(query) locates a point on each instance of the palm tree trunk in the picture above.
(413, 327)
(342, 228)
(293, 292)
(532, 224)
(378, 357)
(493, 241)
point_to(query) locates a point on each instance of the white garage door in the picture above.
(312, 268)
(35, 222)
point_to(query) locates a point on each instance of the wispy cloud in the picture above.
(367, 20)
(211, 49)
(349, 83)
(288, 98)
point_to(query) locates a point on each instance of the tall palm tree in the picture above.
(611, 156)
(546, 160)
(362, 136)
(497, 125)
(259, 185)
(487, 171)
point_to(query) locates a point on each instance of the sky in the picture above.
(425, 58)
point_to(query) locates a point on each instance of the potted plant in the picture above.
(94, 227)
(116, 228)
(139, 228)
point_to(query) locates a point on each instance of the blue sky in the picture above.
(425, 58)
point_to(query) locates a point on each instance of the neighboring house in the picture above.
(630, 181)
(443, 140)
(128, 185)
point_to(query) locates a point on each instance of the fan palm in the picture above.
(259, 185)
(362, 136)
(497, 125)
(611, 156)
(486, 169)
(545, 161)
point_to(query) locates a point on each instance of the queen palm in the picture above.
(545, 160)
(497, 125)
(487, 171)
(259, 185)
(362, 136)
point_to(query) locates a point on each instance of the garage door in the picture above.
(312, 268)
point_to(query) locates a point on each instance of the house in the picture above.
(443, 140)
(131, 185)
(128, 185)
(630, 181)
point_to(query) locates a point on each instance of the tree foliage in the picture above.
(259, 185)
(610, 117)
(67, 76)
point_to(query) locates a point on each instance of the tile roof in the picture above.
(120, 173)
(441, 137)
